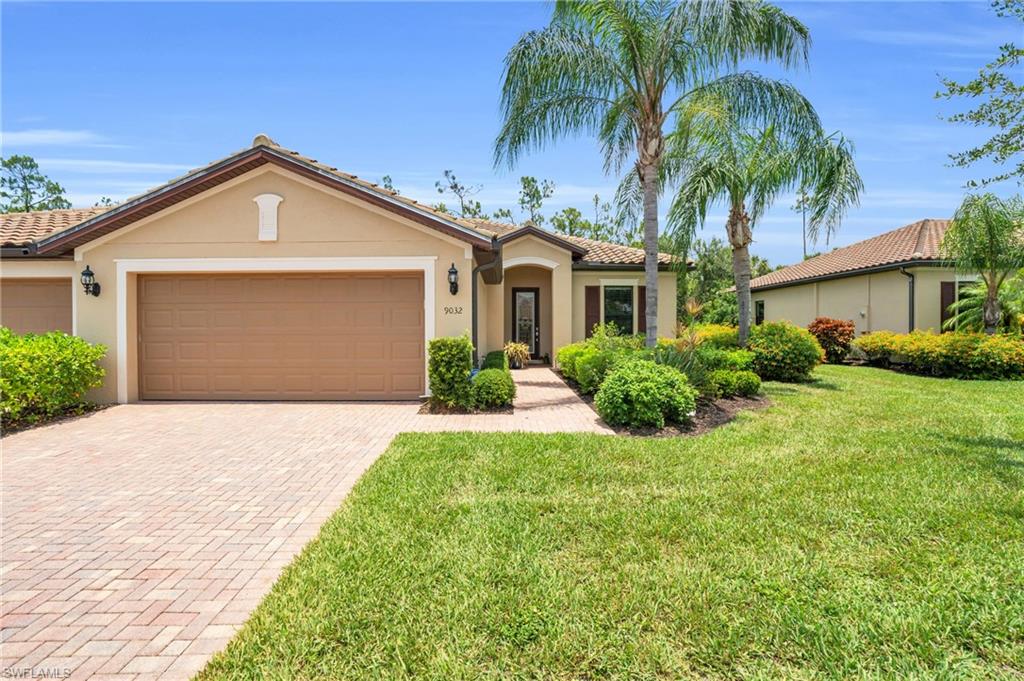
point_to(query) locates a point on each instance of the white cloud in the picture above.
(103, 167)
(50, 137)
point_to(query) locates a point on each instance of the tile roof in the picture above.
(597, 252)
(21, 229)
(914, 242)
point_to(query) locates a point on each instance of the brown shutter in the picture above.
(592, 311)
(641, 309)
(947, 295)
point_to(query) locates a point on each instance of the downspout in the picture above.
(910, 289)
(496, 247)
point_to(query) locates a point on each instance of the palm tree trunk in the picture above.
(738, 229)
(990, 310)
(649, 179)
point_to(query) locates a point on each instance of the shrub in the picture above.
(952, 355)
(718, 358)
(784, 352)
(567, 356)
(608, 337)
(449, 365)
(834, 336)
(47, 374)
(724, 382)
(493, 388)
(496, 359)
(592, 366)
(748, 383)
(518, 354)
(640, 393)
(718, 335)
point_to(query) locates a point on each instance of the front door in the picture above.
(526, 318)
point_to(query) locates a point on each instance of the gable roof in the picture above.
(263, 151)
(22, 229)
(590, 251)
(917, 242)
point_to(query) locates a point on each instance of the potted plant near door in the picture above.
(518, 354)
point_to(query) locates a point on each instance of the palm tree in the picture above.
(624, 71)
(967, 313)
(747, 169)
(986, 237)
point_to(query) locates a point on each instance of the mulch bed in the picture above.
(710, 414)
(439, 409)
(21, 425)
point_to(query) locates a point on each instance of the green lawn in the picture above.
(869, 524)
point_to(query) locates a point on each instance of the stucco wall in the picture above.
(635, 278)
(874, 302)
(314, 222)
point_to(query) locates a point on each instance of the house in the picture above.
(895, 281)
(270, 275)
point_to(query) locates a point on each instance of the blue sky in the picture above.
(113, 98)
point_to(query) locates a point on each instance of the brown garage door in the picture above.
(281, 336)
(35, 305)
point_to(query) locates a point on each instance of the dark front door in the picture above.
(526, 318)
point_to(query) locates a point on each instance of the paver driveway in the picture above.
(136, 540)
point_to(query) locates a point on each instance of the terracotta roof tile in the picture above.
(597, 252)
(21, 229)
(917, 241)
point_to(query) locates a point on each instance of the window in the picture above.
(758, 311)
(618, 307)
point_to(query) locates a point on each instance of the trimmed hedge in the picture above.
(493, 388)
(719, 358)
(748, 383)
(45, 375)
(834, 336)
(948, 355)
(640, 393)
(717, 335)
(495, 359)
(784, 352)
(567, 356)
(449, 364)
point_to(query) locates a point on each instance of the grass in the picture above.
(870, 524)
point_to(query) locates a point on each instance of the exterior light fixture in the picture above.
(453, 279)
(89, 282)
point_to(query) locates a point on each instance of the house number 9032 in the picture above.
(456, 309)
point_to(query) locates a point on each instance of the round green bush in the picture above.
(724, 381)
(493, 388)
(747, 383)
(784, 352)
(639, 393)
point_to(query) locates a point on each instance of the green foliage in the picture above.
(722, 358)
(493, 388)
(967, 312)
(532, 195)
(747, 383)
(496, 359)
(999, 83)
(640, 393)
(23, 188)
(45, 375)
(950, 355)
(834, 336)
(784, 352)
(567, 356)
(468, 207)
(593, 365)
(724, 382)
(717, 335)
(449, 365)
(722, 309)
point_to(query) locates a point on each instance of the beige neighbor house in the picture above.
(269, 275)
(893, 282)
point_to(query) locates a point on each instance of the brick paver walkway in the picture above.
(136, 540)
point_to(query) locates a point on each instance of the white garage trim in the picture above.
(529, 260)
(425, 264)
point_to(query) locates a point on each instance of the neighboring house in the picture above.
(894, 282)
(269, 275)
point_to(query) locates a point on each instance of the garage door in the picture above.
(281, 336)
(35, 305)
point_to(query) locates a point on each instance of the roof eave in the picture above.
(921, 262)
(530, 230)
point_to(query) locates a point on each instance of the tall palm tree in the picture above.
(747, 169)
(624, 71)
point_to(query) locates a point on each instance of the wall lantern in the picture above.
(89, 282)
(453, 279)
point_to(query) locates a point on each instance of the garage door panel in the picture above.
(280, 336)
(35, 305)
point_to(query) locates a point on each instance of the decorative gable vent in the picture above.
(268, 215)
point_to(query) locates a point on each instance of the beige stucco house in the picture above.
(895, 281)
(269, 275)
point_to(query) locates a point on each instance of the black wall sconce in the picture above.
(453, 279)
(89, 282)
